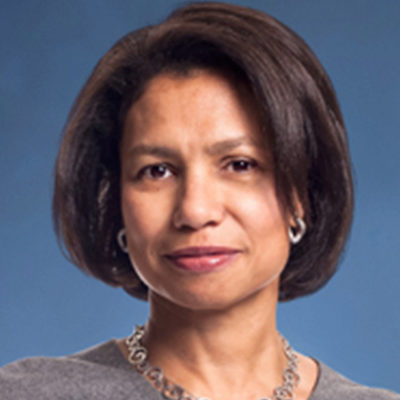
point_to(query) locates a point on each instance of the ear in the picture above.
(297, 213)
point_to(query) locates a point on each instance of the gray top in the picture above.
(102, 373)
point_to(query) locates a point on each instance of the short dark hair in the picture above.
(298, 110)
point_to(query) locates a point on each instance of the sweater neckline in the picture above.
(122, 362)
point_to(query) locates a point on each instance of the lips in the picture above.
(202, 259)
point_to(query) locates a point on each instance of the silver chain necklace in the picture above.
(172, 391)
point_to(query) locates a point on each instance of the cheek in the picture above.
(144, 218)
(260, 211)
(264, 221)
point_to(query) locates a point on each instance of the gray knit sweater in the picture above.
(102, 373)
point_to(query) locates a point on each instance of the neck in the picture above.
(214, 352)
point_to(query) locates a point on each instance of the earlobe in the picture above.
(297, 225)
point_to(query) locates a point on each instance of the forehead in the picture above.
(205, 101)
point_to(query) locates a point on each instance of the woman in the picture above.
(204, 168)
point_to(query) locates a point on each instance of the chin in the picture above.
(220, 300)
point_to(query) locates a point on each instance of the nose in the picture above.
(198, 203)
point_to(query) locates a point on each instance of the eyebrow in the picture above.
(215, 149)
(158, 151)
(229, 144)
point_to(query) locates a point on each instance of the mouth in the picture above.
(202, 259)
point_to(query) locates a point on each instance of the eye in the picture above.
(155, 172)
(241, 165)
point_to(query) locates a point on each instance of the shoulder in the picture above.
(97, 373)
(334, 386)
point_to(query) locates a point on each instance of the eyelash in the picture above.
(145, 171)
(250, 164)
(243, 163)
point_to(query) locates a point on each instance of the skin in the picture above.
(195, 172)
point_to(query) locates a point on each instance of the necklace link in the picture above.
(138, 357)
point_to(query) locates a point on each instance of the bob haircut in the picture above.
(299, 115)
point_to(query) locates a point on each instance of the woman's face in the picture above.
(203, 222)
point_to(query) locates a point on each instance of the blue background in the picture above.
(48, 307)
